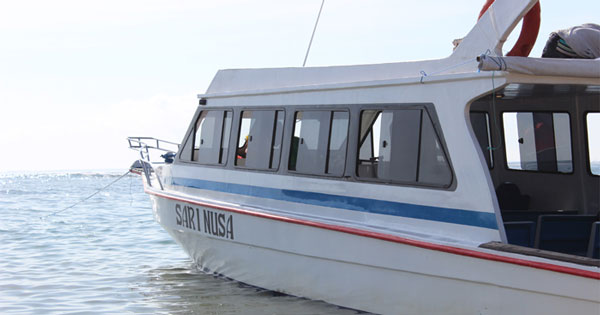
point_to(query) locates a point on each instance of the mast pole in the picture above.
(313, 34)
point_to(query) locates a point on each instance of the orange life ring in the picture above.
(529, 30)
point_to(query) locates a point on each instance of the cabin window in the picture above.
(401, 146)
(538, 141)
(211, 137)
(319, 142)
(185, 153)
(593, 136)
(336, 159)
(259, 140)
(481, 126)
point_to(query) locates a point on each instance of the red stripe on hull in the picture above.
(397, 239)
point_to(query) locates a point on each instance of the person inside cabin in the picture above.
(581, 41)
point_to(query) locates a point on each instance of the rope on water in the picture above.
(88, 197)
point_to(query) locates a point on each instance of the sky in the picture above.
(77, 77)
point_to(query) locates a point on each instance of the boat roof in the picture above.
(485, 39)
(240, 80)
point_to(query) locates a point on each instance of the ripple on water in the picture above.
(107, 255)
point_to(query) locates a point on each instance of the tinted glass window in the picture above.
(319, 142)
(481, 127)
(225, 138)
(593, 136)
(259, 141)
(310, 142)
(211, 135)
(538, 141)
(186, 149)
(433, 166)
(338, 143)
(562, 141)
(278, 137)
(401, 146)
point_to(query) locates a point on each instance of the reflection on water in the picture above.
(188, 290)
(107, 255)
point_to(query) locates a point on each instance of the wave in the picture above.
(63, 174)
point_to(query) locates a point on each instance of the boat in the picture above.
(463, 185)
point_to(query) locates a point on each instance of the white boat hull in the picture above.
(366, 270)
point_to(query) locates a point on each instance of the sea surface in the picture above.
(64, 252)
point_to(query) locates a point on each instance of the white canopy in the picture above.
(584, 68)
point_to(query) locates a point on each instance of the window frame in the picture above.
(587, 142)
(331, 110)
(573, 163)
(490, 135)
(235, 140)
(352, 149)
(427, 109)
(190, 137)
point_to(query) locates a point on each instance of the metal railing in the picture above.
(144, 145)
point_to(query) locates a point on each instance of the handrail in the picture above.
(138, 142)
(144, 145)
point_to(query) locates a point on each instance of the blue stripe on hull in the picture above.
(447, 215)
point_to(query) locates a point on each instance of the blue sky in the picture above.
(78, 77)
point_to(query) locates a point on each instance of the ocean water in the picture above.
(108, 255)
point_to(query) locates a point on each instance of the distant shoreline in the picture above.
(111, 171)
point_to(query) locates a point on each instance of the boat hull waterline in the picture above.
(322, 262)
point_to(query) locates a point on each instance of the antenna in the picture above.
(313, 34)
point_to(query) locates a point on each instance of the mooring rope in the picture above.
(88, 197)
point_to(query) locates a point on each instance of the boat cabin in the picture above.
(462, 155)
(541, 144)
